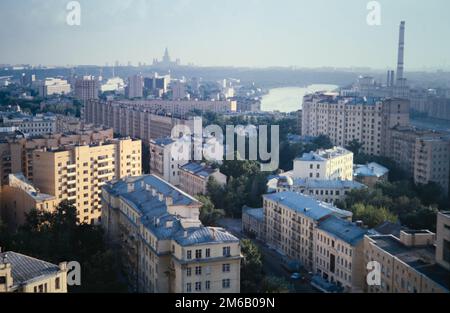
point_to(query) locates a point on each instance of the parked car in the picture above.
(296, 276)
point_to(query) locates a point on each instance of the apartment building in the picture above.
(53, 86)
(339, 254)
(162, 161)
(141, 122)
(19, 197)
(407, 264)
(345, 119)
(194, 177)
(423, 155)
(23, 274)
(87, 88)
(291, 221)
(164, 246)
(135, 88)
(76, 173)
(443, 240)
(322, 190)
(37, 125)
(335, 163)
(16, 151)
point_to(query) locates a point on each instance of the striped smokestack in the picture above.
(401, 51)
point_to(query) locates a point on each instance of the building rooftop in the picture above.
(306, 205)
(255, 213)
(421, 258)
(329, 184)
(142, 193)
(163, 141)
(198, 169)
(25, 269)
(323, 155)
(370, 170)
(342, 229)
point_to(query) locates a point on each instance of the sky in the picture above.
(254, 33)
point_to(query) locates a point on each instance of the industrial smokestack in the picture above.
(401, 51)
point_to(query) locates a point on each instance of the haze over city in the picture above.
(256, 33)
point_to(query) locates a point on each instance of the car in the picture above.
(296, 276)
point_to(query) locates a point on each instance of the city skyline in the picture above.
(212, 34)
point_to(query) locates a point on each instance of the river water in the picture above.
(289, 99)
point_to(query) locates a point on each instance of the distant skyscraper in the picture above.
(135, 88)
(86, 88)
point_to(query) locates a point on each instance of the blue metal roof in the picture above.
(256, 213)
(330, 184)
(201, 235)
(306, 205)
(344, 230)
(370, 170)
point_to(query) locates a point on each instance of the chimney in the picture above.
(401, 51)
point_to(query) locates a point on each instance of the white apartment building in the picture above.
(87, 88)
(53, 86)
(32, 126)
(335, 163)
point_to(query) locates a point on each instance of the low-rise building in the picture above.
(20, 197)
(370, 174)
(443, 240)
(335, 163)
(37, 125)
(163, 245)
(24, 274)
(194, 178)
(407, 264)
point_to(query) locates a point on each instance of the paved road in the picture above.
(272, 259)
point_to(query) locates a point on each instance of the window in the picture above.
(188, 287)
(189, 254)
(225, 268)
(225, 283)
(207, 285)
(188, 271)
(2, 280)
(198, 270)
(57, 283)
(198, 286)
(208, 253)
(198, 254)
(226, 251)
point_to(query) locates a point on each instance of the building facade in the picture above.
(194, 178)
(86, 88)
(344, 119)
(77, 173)
(164, 246)
(335, 163)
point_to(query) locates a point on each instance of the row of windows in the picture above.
(226, 283)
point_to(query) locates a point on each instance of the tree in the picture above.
(209, 214)
(56, 237)
(372, 216)
(354, 146)
(251, 267)
(272, 284)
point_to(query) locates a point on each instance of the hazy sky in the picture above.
(307, 33)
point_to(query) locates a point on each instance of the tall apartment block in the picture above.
(86, 88)
(330, 164)
(135, 88)
(423, 155)
(344, 119)
(16, 152)
(76, 173)
(163, 245)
